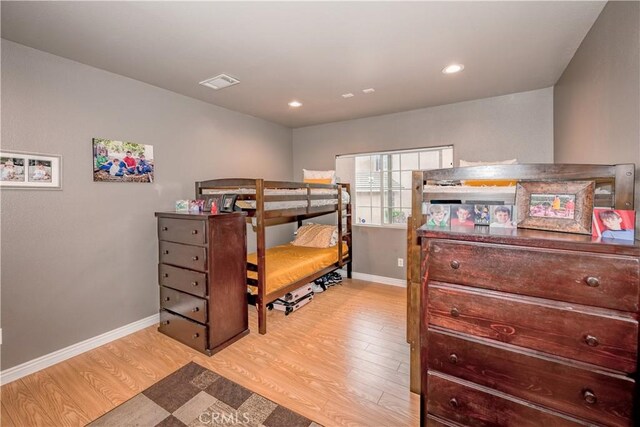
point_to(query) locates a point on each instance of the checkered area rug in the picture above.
(197, 397)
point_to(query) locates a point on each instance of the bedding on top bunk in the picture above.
(289, 204)
(286, 264)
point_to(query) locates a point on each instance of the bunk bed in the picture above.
(273, 272)
(614, 188)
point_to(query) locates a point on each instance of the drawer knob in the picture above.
(453, 402)
(165, 229)
(593, 281)
(195, 258)
(166, 322)
(589, 397)
(591, 341)
(166, 274)
(453, 358)
(455, 264)
(167, 299)
(194, 231)
(194, 283)
(455, 312)
(166, 252)
(195, 309)
(196, 335)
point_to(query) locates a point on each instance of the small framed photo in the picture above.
(462, 216)
(502, 216)
(209, 201)
(481, 214)
(438, 215)
(613, 224)
(227, 203)
(564, 206)
(30, 170)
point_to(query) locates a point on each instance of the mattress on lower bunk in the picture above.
(286, 264)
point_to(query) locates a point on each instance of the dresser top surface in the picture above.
(197, 215)
(533, 238)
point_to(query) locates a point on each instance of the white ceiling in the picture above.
(315, 51)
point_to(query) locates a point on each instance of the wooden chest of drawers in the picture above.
(202, 277)
(522, 327)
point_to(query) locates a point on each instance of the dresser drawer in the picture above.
(184, 304)
(433, 421)
(602, 337)
(184, 330)
(194, 257)
(471, 405)
(191, 232)
(189, 281)
(592, 279)
(570, 388)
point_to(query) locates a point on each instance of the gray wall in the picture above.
(518, 125)
(597, 98)
(82, 261)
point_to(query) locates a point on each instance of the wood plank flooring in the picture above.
(342, 360)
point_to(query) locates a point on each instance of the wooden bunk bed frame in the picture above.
(260, 218)
(621, 178)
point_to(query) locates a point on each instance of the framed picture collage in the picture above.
(470, 215)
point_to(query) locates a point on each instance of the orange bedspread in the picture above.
(286, 264)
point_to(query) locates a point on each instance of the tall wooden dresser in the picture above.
(202, 277)
(528, 328)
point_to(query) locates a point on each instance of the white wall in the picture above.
(597, 98)
(83, 261)
(511, 126)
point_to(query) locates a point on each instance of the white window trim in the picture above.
(389, 152)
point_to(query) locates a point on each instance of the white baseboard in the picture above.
(35, 365)
(378, 279)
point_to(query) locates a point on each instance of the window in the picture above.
(382, 182)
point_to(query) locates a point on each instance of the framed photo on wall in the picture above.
(564, 206)
(30, 170)
(122, 161)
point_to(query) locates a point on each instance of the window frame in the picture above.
(446, 153)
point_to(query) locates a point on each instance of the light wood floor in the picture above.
(342, 360)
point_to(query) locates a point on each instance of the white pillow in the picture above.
(311, 175)
(464, 163)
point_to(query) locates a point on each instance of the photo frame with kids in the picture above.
(122, 161)
(613, 224)
(438, 215)
(22, 170)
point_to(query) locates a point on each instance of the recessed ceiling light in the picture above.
(220, 82)
(347, 95)
(370, 90)
(453, 68)
(295, 104)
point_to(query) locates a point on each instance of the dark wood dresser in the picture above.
(528, 328)
(202, 275)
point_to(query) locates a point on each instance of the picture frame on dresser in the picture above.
(227, 203)
(564, 206)
(209, 201)
(613, 225)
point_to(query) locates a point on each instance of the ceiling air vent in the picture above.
(220, 82)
